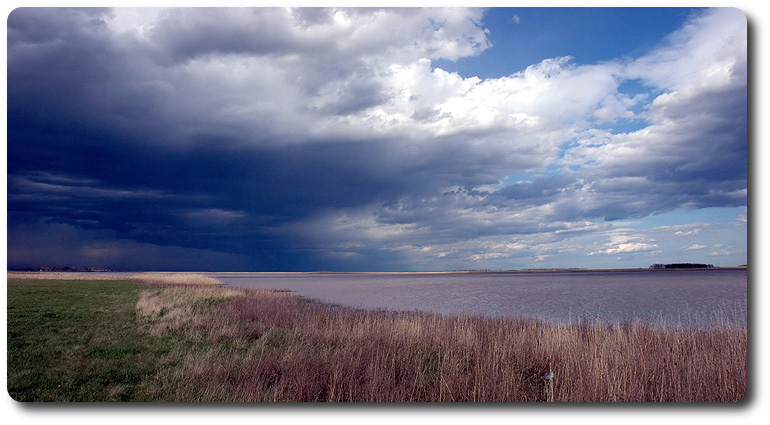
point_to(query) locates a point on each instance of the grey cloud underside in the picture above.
(220, 130)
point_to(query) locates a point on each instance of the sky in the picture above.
(276, 139)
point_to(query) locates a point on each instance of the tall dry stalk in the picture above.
(175, 278)
(270, 346)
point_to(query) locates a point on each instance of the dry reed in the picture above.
(63, 275)
(172, 278)
(268, 346)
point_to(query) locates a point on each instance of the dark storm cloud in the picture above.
(156, 196)
(39, 25)
(313, 138)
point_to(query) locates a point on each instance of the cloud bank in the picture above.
(295, 139)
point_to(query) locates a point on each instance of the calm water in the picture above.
(691, 297)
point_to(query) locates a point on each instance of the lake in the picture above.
(696, 298)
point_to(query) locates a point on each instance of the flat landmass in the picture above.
(181, 337)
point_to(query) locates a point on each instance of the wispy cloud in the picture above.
(695, 246)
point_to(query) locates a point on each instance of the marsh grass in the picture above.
(172, 278)
(270, 346)
(131, 341)
(61, 276)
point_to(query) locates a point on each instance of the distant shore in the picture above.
(115, 274)
(525, 271)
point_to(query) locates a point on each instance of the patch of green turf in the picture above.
(79, 341)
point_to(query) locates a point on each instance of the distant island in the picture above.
(682, 266)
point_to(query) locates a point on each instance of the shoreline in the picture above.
(530, 271)
(10, 274)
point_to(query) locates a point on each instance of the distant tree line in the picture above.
(59, 269)
(682, 266)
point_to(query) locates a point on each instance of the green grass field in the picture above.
(79, 341)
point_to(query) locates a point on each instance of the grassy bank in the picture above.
(78, 341)
(134, 341)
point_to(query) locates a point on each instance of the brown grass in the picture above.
(261, 345)
(175, 278)
(157, 278)
(63, 276)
